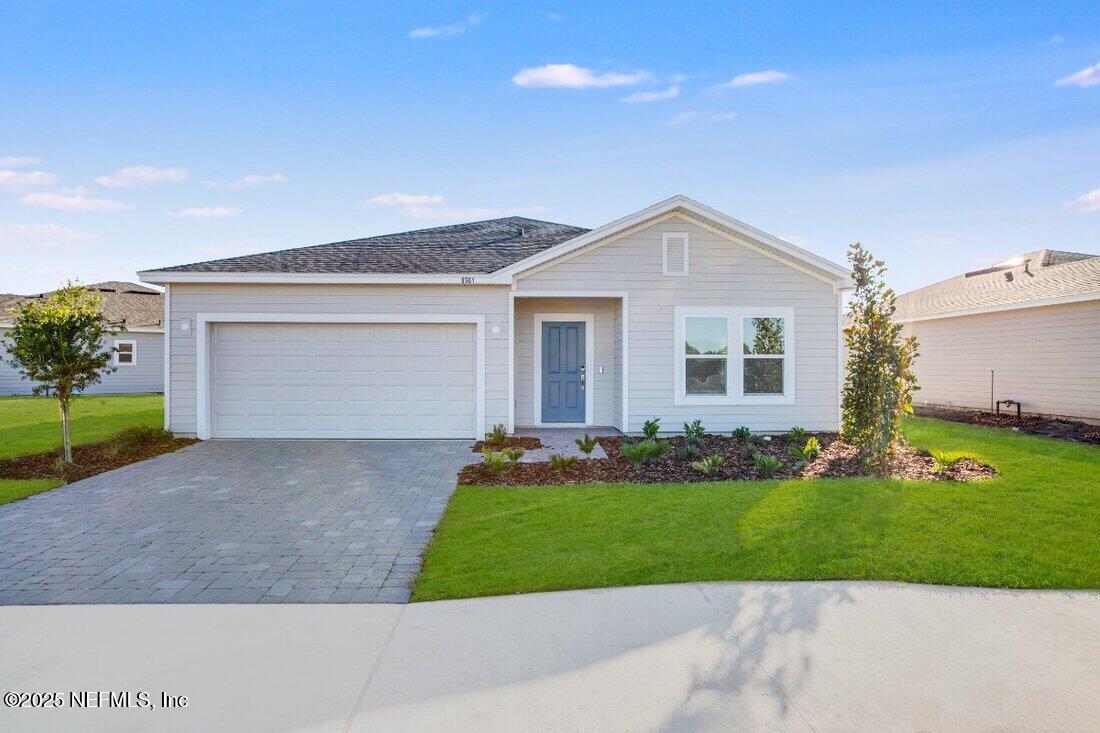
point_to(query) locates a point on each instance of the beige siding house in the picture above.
(1027, 330)
(677, 312)
(139, 361)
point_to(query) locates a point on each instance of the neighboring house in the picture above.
(140, 357)
(1027, 329)
(444, 332)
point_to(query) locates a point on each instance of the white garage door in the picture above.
(314, 380)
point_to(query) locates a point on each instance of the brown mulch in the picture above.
(525, 443)
(88, 460)
(1049, 427)
(835, 460)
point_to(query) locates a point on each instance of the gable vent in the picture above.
(675, 255)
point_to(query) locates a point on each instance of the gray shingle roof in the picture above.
(477, 247)
(1037, 275)
(135, 305)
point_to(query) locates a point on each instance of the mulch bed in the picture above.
(1050, 427)
(525, 443)
(88, 460)
(836, 459)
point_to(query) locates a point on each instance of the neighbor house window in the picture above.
(674, 253)
(733, 355)
(763, 343)
(125, 353)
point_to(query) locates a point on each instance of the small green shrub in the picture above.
(946, 460)
(691, 450)
(695, 430)
(766, 465)
(513, 455)
(807, 452)
(709, 466)
(743, 434)
(497, 463)
(133, 440)
(650, 428)
(587, 444)
(497, 437)
(559, 462)
(797, 435)
(640, 453)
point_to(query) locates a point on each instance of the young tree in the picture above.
(57, 342)
(880, 381)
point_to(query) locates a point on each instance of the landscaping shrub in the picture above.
(650, 428)
(513, 455)
(497, 437)
(587, 444)
(134, 440)
(695, 430)
(807, 452)
(742, 433)
(640, 452)
(692, 446)
(497, 463)
(560, 462)
(880, 381)
(946, 460)
(797, 435)
(709, 466)
(766, 465)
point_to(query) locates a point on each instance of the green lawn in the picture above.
(33, 425)
(1035, 526)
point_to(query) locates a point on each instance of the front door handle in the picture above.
(582, 376)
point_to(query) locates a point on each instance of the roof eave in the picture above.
(162, 277)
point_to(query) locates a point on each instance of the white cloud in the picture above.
(642, 97)
(40, 234)
(692, 116)
(140, 176)
(683, 118)
(252, 180)
(15, 181)
(1088, 203)
(1086, 77)
(755, 77)
(569, 76)
(62, 202)
(451, 29)
(15, 161)
(206, 212)
(406, 199)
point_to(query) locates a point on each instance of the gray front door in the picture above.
(563, 372)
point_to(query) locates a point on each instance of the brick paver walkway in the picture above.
(235, 522)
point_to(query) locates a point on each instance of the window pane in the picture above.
(705, 336)
(763, 335)
(125, 358)
(705, 376)
(125, 348)
(763, 376)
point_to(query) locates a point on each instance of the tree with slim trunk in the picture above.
(57, 343)
(880, 381)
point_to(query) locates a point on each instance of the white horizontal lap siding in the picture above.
(1048, 358)
(722, 273)
(188, 300)
(145, 376)
(605, 384)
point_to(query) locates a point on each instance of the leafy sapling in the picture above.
(695, 430)
(650, 428)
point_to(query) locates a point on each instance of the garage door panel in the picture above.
(343, 380)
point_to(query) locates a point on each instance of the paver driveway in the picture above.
(235, 522)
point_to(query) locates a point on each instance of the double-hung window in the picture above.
(125, 353)
(735, 355)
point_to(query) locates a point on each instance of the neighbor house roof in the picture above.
(1041, 277)
(477, 247)
(132, 304)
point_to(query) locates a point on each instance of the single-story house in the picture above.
(139, 355)
(1026, 329)
(676, 311)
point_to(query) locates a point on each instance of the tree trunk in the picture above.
(66, 440)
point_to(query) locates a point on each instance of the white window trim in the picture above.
(735, 374)
(133, 351)
(664, 253)
(589, 321)
(203, 322)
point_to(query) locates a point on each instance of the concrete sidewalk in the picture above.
(722, 656)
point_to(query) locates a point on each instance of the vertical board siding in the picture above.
(722, 273)
(1048, 358)
(146, 376)
(605, 384)
(191, 299)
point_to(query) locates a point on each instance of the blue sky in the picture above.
(135, 135)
